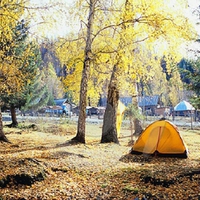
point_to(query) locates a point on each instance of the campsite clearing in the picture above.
(41, 164)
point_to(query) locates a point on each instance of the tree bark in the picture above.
(13, 117)
(131, 127)
(3, 138)
(109, 130)
(80, 136)
(138, 127)
(137, 122)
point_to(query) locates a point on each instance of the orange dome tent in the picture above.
(160, 138)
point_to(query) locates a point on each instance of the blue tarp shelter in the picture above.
(183, 106)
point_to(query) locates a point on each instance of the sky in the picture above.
(194, 45)
(55, 22)
(58, 20)
(51, 22)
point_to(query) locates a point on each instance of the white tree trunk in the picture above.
(80, 136)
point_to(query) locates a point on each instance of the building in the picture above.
(149, 104)
(64, 104)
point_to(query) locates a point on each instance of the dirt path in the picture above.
(43, 165)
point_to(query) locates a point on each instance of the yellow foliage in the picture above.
(134, 40)
(11, 79)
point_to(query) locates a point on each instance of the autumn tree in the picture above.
(11, 78)
(43, 89)
(165, 81)
(80, 136)
(145, 24)
(118, 42)
(190, 68)
(53, 71)
(80, 70)
(29, 54)
(38, 94)
(53, 82)
(192, 74)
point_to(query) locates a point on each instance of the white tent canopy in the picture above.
(183, 106)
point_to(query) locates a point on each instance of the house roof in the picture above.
(148, 100)
(126, 100)
(142, 101)
(60, 102)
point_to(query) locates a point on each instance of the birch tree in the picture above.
(80, 136)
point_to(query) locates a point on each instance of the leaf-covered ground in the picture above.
(40, 163)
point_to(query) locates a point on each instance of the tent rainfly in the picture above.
(160, 138)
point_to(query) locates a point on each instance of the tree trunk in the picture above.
(138, 127)
(80, 136)
(2, 135)
(109, 130)
(137, 122)
(131, 127)
(13, 117)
